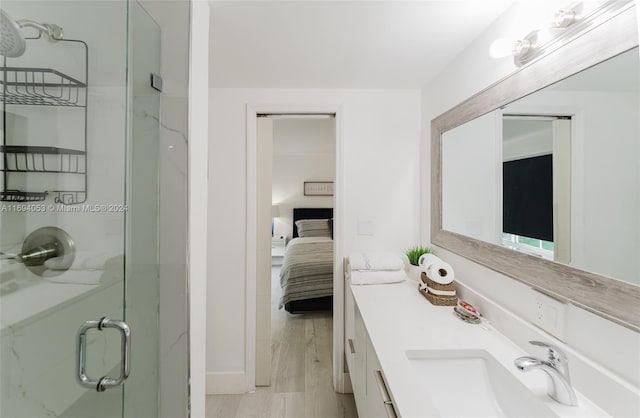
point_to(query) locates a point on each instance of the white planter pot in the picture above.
(414, 272)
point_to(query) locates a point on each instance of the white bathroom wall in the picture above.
(378, 170)
(303, 150)
(469, 173)
(610, 345)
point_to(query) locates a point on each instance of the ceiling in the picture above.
(341, 44)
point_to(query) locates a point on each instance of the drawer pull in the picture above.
(384, 392)
(351, 347)
(391, 413)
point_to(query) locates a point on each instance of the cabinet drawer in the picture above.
(379, 402)
(359, 369)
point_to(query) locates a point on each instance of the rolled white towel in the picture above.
(426, 260)
(441, 272)
(377, 277)
(375, 262)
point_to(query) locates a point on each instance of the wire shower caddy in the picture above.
(42, 87)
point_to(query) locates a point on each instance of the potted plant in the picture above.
(413, 254)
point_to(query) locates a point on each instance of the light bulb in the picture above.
(522, 47)
(563, 19)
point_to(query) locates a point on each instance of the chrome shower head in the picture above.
(12, 43)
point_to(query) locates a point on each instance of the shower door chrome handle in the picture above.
(104, 382)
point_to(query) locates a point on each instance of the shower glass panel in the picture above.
(142, 273)
(81, 153)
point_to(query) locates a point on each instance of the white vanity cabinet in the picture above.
(356, 344)
(379, 403)
(372, 397)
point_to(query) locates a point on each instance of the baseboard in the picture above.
(226, 383)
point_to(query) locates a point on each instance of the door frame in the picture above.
(252, 111)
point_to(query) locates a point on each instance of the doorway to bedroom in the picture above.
(294, 290)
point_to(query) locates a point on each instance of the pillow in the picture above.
(313, 228)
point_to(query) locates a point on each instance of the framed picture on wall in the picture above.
(318, 188)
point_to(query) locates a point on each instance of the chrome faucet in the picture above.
(556, 368)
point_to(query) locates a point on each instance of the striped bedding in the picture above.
(307, 269)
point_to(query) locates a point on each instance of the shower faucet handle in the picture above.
(36, 256)
(45, 244)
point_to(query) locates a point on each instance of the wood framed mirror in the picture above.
(606, 293)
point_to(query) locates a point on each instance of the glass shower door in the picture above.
(85, 163)
(63, 206)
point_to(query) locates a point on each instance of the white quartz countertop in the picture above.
(398, 318)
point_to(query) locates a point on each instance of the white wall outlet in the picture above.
(549, 314)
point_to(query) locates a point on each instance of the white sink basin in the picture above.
(471, 383)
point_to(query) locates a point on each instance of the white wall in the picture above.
(303, 150)
(471, 173)
(378, 169)
(608, 344)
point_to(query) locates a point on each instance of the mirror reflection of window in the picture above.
(536, 193)
(601, 221)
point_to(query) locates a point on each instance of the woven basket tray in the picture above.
(437, 286)
(439, 300)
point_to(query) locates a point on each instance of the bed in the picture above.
(306, 277)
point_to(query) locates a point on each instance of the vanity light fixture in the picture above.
(533, 44)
